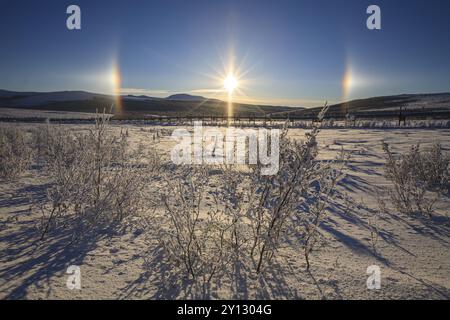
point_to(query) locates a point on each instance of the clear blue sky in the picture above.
(288, 52)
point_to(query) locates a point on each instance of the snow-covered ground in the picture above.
(412, 252)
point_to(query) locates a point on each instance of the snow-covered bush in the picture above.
(416, 176)
(194, 231)
(291, 203)
(237, 216)
(15, 152)
(96, 177)
(434, 168)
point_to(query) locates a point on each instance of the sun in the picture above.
(230, 83)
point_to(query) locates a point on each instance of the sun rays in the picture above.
(116, 87)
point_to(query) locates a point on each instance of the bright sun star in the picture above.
(230, 83)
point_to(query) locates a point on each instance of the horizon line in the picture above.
(240, 101)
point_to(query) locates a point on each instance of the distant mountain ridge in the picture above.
(131, 106)
(37, 98)
(26, 99)
(183, 104)
(185, 97)
(427, 102)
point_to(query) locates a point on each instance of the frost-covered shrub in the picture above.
(416, 175)
(237, 216)
(292, 203)
(434, 168)
(96, 177)
(194, 231)
(15, 152)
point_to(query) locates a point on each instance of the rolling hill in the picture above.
(131, 106)
(142, 107)
(434, 103)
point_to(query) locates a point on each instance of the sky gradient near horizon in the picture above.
(284, 52)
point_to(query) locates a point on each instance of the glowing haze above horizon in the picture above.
(296, 53)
